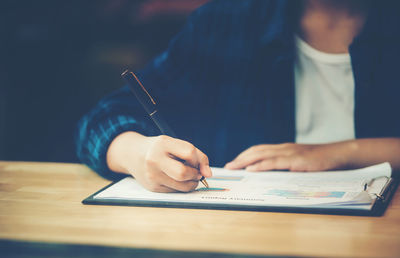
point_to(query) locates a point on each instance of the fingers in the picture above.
(182, 150)
(155, 180)
(160, 189)
(278, 163)
(254, 155)
(171, 186)
(158, 181)
(189, 153)
(181, 186)
(178, 170)
(204, 164)
(287, 156)
(172, 165)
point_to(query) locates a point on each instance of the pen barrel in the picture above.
(139, 91)
(161, 124)
(148, 103)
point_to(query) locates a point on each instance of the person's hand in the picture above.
(156, 162)
(293, 157)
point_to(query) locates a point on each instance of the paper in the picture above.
(239, 187)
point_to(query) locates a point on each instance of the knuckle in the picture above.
(203, 159)
(290, 152)
(286, 145)
(190, 151)
(254, 147)
(161, 140)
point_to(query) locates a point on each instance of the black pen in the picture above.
(150, 106)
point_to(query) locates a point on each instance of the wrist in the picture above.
(126, 151)
(346, 153)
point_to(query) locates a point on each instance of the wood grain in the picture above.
(42, 202)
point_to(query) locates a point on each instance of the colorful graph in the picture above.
(304, 194)
(226, 178)
(205, 189)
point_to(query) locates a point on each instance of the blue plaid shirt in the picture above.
(226, 82)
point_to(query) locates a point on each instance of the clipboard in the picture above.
(378, 207)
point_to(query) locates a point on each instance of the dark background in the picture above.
(58, 58)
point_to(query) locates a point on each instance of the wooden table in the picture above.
(41, 202)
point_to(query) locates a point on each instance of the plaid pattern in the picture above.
(99, 127)
(226, 82)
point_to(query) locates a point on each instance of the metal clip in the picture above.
(385, 188)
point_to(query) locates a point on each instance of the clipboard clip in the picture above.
(385, 189)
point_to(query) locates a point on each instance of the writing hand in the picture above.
(153, 161)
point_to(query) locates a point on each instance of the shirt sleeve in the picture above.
(115, 114)
(120, 111)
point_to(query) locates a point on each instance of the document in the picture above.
(344, 189)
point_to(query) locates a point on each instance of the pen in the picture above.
(150, 106)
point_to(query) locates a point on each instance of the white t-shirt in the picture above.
(324, 96)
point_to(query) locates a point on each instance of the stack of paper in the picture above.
(350, 189)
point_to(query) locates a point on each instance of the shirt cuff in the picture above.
(99, 139)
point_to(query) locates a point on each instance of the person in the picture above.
(259, 85)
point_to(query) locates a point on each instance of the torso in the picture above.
(324, 90)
